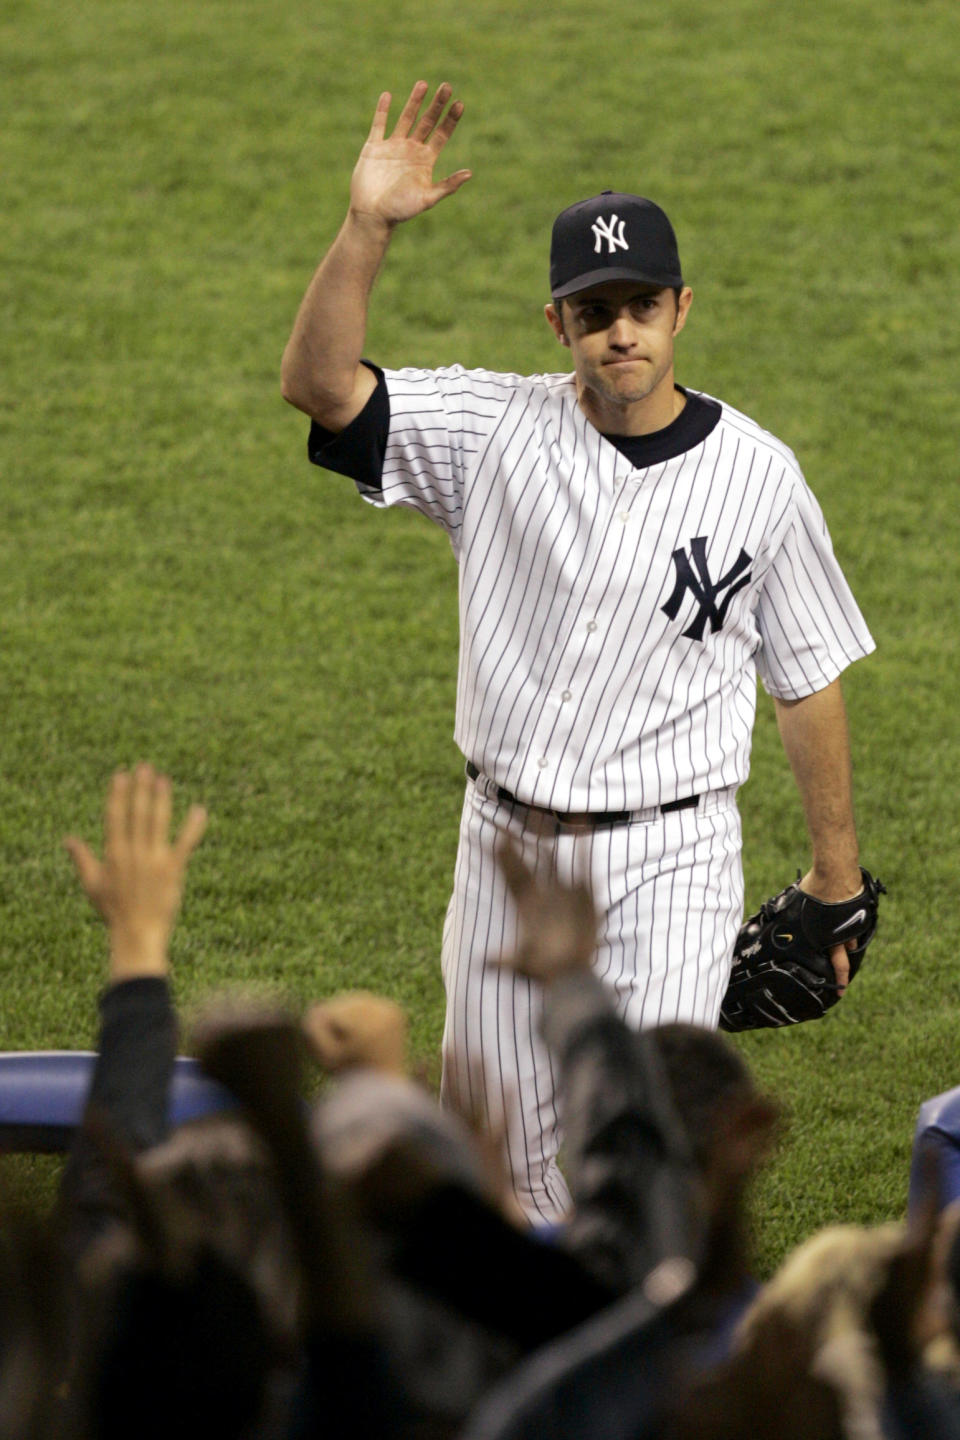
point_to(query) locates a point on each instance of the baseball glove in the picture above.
(782, 972)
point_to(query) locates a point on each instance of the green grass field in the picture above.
(178, 584)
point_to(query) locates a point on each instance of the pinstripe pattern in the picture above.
(670, 891)
(594, 675)
(575, 690)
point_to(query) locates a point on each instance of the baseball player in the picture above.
(632, 554)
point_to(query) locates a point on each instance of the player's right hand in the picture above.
(393, 178)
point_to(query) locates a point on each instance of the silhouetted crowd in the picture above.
(355, 1265)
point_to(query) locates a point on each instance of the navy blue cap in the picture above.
(612, 237)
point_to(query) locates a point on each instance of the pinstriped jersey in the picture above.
(614, 612)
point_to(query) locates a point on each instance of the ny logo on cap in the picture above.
(603, 230)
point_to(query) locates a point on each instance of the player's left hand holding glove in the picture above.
(782, 967)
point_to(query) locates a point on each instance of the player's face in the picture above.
(620, 335)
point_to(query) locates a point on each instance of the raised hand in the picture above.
(138, 885)
(393, 178)
(558, 923)
(357, 1029)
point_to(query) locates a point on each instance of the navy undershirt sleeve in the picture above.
(357, 450)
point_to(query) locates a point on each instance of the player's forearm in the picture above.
(321, 372)
(816, 740)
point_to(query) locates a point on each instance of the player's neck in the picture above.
(638, 417)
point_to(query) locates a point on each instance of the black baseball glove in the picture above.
(782, 972)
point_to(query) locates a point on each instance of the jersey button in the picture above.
(591, 626)
(624, 516)
(543, 762)
(566, 694)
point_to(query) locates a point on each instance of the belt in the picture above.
(582, 817)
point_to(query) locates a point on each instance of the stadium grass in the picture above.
(178, 584)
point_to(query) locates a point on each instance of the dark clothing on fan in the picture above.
(128, 1095)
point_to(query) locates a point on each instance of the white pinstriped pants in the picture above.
(669, 889)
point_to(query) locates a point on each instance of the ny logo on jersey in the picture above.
(603, 230)
(695, 577)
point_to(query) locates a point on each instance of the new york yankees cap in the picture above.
(612, 237)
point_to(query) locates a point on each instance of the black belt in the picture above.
(582, 817)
